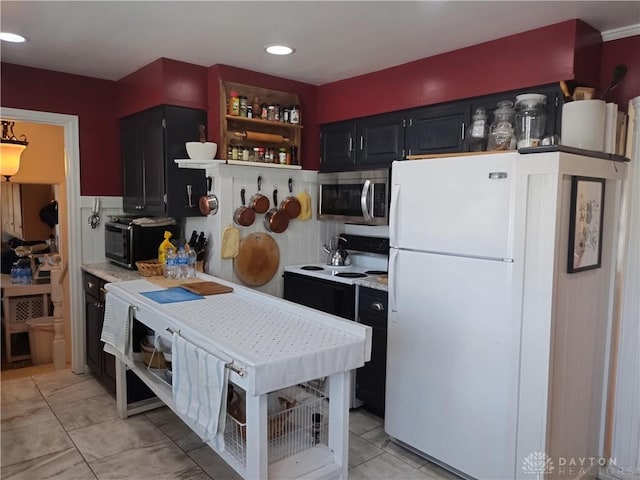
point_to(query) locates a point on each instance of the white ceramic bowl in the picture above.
(202, 150)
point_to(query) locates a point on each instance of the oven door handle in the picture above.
(363, 200)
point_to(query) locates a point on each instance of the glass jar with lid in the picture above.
(501, 134)
(478, 131)
(531, 119)
(501, 137)
(505, 112)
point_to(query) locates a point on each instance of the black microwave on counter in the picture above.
(127, 243)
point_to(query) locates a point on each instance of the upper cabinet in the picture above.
(150, 141)
(258, 124)
(437, 129)
(376, 141)
(337, 150)
(371, 142)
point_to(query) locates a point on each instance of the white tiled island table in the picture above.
(269, 345)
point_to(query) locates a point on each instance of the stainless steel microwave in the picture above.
(360, 197)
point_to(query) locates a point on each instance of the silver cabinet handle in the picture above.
(361, 142)
(363, 200)
(89, 284)
(351, 144)
(189, 190)
(377, 306)
(462, 131)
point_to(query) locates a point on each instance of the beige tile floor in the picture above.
(64, 426)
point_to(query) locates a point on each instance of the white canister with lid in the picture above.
(583, 124)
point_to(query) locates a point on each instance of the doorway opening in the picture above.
(70, 244)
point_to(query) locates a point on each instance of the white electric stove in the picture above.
(369, 258)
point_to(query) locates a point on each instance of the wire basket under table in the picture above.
(300, 426)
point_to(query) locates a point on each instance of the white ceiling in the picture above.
(333, 39)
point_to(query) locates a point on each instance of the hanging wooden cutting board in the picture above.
(258, 259)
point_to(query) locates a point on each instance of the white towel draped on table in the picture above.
(200, 389)
(117, 325)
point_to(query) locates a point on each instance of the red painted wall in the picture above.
(623, 51)
(308, 105)
(92, 100)
(532, 58)
(569, 50)
(163, 81)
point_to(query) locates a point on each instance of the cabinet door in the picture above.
(437, 129)
(371, 379)
(131, 153)
(93, 321)
(152, 150)
(181, 126)
(330, 297)
(380, 140)
(337, 147)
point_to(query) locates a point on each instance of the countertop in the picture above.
(277, 343)
(110, 272)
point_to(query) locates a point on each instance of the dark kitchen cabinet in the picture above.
(554, 105)
(150, 142)
(366, 143)
(330, 297)
(337, 146)
(371, 379)
(102, 364)
(437, 129)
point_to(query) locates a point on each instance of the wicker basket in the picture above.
(149, 268)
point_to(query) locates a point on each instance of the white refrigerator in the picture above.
(496, 354)
(452, 347)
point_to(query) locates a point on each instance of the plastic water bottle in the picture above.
(170, 263)
(191, 264)
(26, 275)
(183, 260)
(15, 273)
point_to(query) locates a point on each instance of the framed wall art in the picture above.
(585, 223)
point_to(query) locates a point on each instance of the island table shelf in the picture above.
(276, 348)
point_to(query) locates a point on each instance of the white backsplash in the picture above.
(93, 239)
(300, 243)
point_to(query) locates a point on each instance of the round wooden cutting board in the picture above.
(258, 259)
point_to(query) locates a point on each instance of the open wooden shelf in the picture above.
(231, 123)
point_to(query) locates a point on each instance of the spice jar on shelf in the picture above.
(233, 107)
(243, 106)
(294, 115)
(256, 110)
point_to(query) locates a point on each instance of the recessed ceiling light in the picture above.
(12, 37)
(279, 50)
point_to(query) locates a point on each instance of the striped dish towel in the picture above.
(117, 325)
(200, 389)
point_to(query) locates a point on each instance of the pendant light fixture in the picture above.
(10, 150)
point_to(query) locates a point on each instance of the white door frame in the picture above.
(72, 184)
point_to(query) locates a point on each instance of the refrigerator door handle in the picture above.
(393, 259)
(393, 215)
(363, 200)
